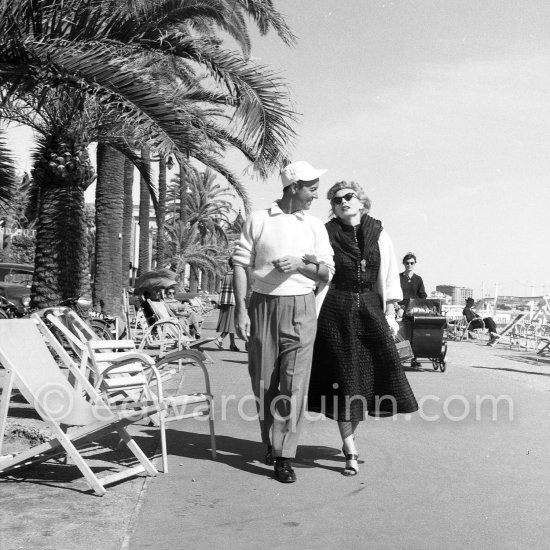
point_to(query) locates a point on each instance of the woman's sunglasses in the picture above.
(347, 196)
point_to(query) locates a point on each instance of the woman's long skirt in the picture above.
(226, 320)
(356, 368)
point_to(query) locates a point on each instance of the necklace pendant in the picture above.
(363, 265)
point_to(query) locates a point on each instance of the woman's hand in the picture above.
(392, 322)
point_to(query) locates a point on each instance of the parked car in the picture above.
(15, 289)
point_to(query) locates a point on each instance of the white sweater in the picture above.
(271, 234)
(388, 285)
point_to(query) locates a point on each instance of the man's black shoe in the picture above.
(283, 471)
(269, 460)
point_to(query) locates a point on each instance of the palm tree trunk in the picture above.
(183, 196)
(161, 215)
(144, 201)
(127, 221)
(108, 245)
(205, 281)
(61, 261)
(193, 280)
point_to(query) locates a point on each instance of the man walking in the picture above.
(286, 253)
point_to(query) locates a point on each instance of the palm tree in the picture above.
(206, 203)
(206, 206)
(7, 172)
(144, 215)
(84, 55)
(62, 172)
(185, 248)
(161, 214)
(127, 222)
(109, 219)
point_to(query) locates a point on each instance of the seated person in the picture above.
(177, 309)
(475, 321)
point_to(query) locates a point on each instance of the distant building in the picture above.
(445, 298)
(458, 294)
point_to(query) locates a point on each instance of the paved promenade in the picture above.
(464, 472)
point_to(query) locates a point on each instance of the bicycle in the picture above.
(8, 310)
(103, 325)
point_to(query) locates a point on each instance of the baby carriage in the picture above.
(424, 326)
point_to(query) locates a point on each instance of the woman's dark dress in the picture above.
(356, 367)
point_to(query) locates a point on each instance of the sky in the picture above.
(440, 110)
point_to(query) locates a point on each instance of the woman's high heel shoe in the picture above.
(344, 446)
(351, 469)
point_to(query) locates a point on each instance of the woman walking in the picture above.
(226, 320)
(356, 367)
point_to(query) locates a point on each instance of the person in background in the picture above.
(226, 320)
(143, 296)
(475, 321)
(356, 366)
(412, 284)
(281, 320)
(177, 309)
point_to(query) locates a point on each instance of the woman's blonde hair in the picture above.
(361, 195)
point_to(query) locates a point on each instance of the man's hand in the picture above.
(287, 264)
(242, 324)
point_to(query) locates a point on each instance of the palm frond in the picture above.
(266, 17)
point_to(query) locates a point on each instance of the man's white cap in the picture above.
(299, 171)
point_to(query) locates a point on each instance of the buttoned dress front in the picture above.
(356, 368)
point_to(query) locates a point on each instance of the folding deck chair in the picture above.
(478, 332)
(158, 340)
(459, 329)
(32, 368)
(162, 314)
(123, 382)
(200, 307)
(544, 348)
(129, 314)
(122, 374)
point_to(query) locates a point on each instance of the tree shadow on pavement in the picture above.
(530, 359)
(511, 370)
